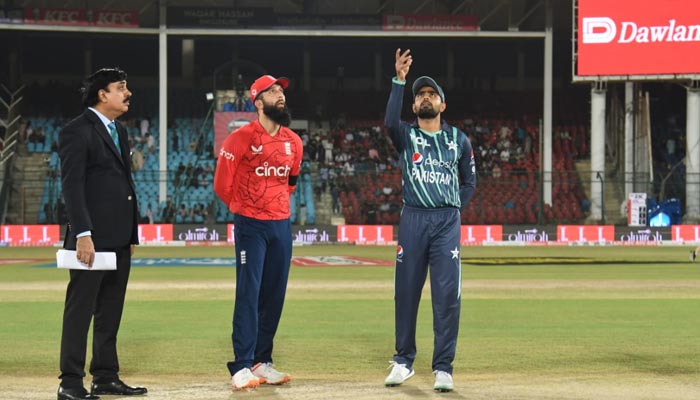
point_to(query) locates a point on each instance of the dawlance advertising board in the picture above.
(480, 234)
(155, 233)
(366, 234)
(586, 233)
(638, 37)
(29, 235)
(685, 233)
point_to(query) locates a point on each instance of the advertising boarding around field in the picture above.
(381, 235)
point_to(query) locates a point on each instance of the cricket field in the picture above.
(540, 322)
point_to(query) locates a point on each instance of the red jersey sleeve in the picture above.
(225, 170)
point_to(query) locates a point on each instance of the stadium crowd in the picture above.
(351, 165)
(353, 161)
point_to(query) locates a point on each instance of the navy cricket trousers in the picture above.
(428, 237)
(263, 255)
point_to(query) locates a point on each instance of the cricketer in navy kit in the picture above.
(439, 179)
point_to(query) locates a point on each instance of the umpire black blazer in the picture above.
(98, 189)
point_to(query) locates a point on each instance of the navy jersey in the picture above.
(438, 168)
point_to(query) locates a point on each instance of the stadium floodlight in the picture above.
(210, 96)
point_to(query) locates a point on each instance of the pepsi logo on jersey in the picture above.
(417, 158)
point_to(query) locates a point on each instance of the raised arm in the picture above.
(392, 118)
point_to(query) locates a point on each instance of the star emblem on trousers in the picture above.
(455, 253)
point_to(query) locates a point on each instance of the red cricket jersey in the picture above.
(253, 170)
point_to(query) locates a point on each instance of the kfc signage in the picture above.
(685, 233)
(155, 233)
(586, 233)
(366, 234)
(479, 234)
(54, 16)
(411, 22)
(30, 235)
(638, 37)
(81, 17)
(115, 18)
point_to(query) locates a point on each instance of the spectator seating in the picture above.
(190, 187)
(363, 165)
(508, 185)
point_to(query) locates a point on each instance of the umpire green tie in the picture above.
(115, 136)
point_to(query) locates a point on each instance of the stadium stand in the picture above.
(354, 159)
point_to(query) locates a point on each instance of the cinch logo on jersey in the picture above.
(268, 170)
(605, 29)
(226, 154)
(399, 254)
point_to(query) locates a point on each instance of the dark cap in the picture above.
(427, 81)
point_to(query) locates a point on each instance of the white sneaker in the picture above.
(244, 379)
(443, 381)
(266, 373)
(398, 375)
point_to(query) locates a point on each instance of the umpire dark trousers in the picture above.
(263, 256)
(428, 237)
(98, 294)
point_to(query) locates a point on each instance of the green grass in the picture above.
(596, 319)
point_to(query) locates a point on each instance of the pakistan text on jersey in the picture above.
(431, 176)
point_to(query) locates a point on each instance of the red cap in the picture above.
(264, 82)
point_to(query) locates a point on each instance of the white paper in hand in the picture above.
(104, 261)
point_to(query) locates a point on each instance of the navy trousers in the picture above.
(428, 237)
(263, 255)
